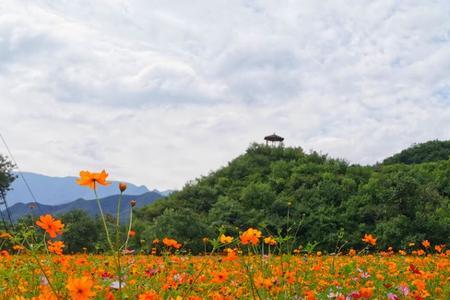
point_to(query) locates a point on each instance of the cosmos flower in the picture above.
(250, 236)
(225, 239)
(55, 247)
(80, 288)
(270, 241)
(369, 239)
(171, 243)
(91, 179)
(52, 226)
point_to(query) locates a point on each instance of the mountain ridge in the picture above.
(109, 206)
(53, 190)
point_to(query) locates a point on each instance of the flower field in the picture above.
(253, 265)
(230, 276)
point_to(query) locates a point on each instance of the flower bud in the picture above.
(122, 187)
(133, 203)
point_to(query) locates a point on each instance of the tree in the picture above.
(184, 225)
(420, 153)
(6, 178)
(6, 174)
(81, 231)
(274, 188)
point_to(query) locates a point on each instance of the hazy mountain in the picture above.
(58, 190)
(164, 193)
(109, 206)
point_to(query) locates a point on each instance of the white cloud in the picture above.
(160, 92)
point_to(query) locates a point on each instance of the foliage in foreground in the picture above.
(241, 267)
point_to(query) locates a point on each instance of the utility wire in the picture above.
(21, 175)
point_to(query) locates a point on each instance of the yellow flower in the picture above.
(225, 239)
(270, 241)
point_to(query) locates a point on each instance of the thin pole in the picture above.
(3, 221)
(7, 209)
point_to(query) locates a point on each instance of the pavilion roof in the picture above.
(274, 138)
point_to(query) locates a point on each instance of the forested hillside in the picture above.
(420, 153)
(316, 196)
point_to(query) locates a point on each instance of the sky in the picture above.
(162, 92)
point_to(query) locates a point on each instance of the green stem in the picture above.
(45, 244)
(104, 221)
(118, 221)
(118, 244)
(129, 229)
(33, 254)
(45, 275)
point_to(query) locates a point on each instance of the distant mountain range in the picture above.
(59, 190)
(109, 206)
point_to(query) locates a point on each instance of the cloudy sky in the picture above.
(161, 92)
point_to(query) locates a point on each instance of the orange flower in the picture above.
(250, 236)
(366, 292)
(270, 241)
(131, 233)
(150, 295)
(310, 295)
(219, 277)
(5, 235)
(171, 243)
(225, 239)
(369, 239)
(52, 226)
(45, 293)
(231, 255)
(18, 247)
(90, 179)
(55, 247)
(80, 288)
(426, 244)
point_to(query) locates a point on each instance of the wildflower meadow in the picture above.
(249, 266)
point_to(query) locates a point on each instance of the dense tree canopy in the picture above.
(82, 231)
(420, 153)
(280, 188)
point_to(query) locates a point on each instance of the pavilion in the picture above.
(274, 139)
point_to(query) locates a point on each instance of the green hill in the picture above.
(420, 153)
(281, 188)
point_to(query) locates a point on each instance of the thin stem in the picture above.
(45, 244)
(103, 219)
(129, 229)
(118, 244)
(33, 254)
(45, 274)
(118, 221)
